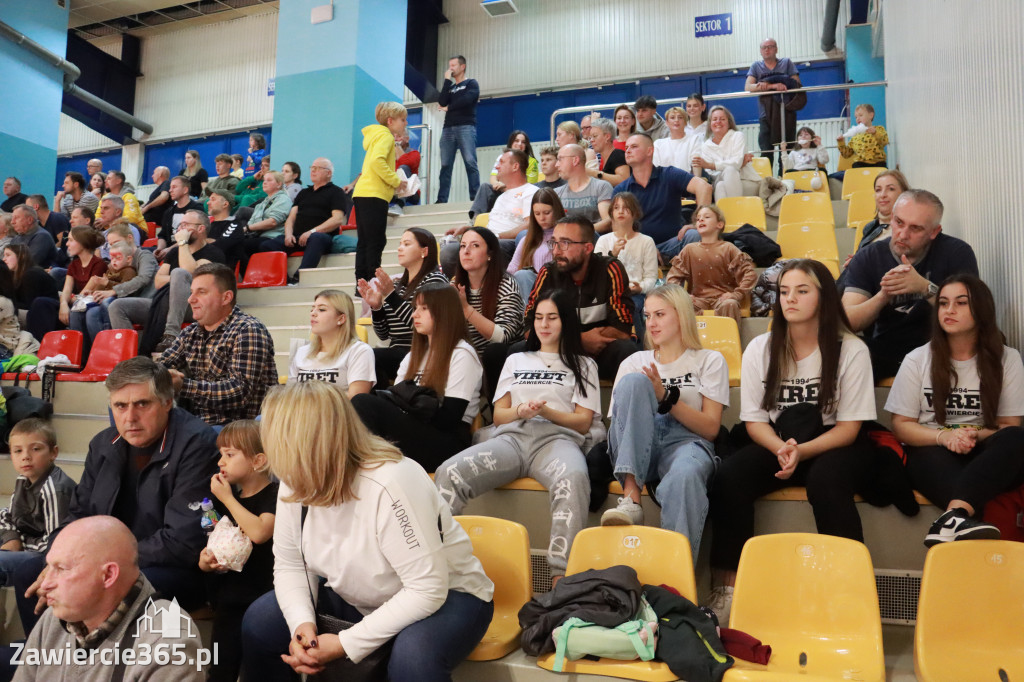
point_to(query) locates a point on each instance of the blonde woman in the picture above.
(368, 526)
(333, 353)
(725, 159)
(196, 174)
(665, 413)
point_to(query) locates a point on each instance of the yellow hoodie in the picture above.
(379, 178)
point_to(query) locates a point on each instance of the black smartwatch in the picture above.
(670, 399)
(600, 175)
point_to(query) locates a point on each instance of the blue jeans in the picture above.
(670, 248)
(462, 138)
(90, 323)
(525, 279)
(9, 562)
(426, 651)
(656, 447)
(318, 244)
(639, 323)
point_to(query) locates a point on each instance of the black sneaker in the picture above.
(165, 343)
(956, 524)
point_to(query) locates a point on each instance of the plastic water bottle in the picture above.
(210, 515)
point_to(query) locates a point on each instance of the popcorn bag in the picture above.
(229, 545)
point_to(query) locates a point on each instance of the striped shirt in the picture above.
(602, 298)
(508, 318)
(394, 318)
(36, 510)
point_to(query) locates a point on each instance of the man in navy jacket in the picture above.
(150, 471)
(458, 99)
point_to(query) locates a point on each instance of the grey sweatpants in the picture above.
(544, 451)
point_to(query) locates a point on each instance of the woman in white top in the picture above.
(665, 414)
(958, 403)
(679, 148)
(544, 406)
(697, 115)
(636, 251)
(333, 353)
(443, 361)
(368, 527)
(805, 388)
(724, 156)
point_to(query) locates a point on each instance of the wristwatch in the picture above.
(600, 175)
(933, 289)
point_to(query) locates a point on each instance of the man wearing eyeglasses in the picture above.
(169, 308)
(601, 284)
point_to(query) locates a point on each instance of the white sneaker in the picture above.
(721, 604)
(627, 513)
(834, 53)
(395, 210)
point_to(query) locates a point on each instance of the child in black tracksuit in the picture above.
(243, 466)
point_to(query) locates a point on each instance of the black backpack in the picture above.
(755, 243)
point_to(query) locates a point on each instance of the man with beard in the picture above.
(604, 306)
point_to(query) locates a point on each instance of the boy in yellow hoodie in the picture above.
(376, 186)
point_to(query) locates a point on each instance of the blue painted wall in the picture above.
(861, 67)
(30, 123)
(343, 68)
(532, 113)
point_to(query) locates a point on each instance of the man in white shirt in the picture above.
(511, 212)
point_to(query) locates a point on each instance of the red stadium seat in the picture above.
(150, 243)
(268, 269)
(67, 342)
(110, 347)
(351, 224)
(151, 229)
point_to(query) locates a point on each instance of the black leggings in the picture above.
(992, 467)
(371, 234)
(418, 440)
(832, 479)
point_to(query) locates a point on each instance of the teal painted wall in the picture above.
(30, 116)
(861, 67)
(330, 76)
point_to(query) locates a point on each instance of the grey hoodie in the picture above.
(658, 130)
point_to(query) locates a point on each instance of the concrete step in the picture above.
(74, 431)
(304, 291)
(345, 276)
(282, 314)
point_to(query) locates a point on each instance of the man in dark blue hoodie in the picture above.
(150, 470)
(458, 99)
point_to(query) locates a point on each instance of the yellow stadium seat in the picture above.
(722, 334)
(808, 240)
(813, 598)
(859, 179)
(363, 325)
(809, 207)
(762, 165)
(658, 556)
(970, 617)
(858, 235)
(481, 219)
(844, 163)
(862, 207)
(740, 210)
(503, 547)
(802, 180)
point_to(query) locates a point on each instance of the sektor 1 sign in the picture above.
(712, 25)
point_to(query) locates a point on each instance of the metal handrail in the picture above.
(711, 98)
(424, 161)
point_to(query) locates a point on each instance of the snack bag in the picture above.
(229, 545)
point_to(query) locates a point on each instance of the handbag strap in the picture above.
(302, 523)
(562, 640)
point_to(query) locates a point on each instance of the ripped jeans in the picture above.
(539, 449)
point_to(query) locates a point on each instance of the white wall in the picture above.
(201, 79)
(954, 107)
(571, 43)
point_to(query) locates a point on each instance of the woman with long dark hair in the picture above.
(441, 360)
(544, 406)
(958, 403)
(532, 251)
(490, 298)
(806, 387)
(28, 281)
(391, 298)
(666, 411)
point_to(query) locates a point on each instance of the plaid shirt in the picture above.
(228, 370)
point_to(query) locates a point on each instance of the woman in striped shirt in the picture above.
(391, 299)
(490, 300)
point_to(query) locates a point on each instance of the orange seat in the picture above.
(152, 241)
(110, 347)
(351, 224)
(151, 229)
(268, 269)
(67, 342)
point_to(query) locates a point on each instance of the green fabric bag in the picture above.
(19, 361)
(344, 242)
(632, 640)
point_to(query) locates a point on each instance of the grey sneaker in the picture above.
(395, 210)
(627, 513)
(721, 604)
(956, 524)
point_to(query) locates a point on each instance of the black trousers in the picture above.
(992, 467)
(418, 440)
(832, 479)
(386, 361)
(773, 128)
(371, 233)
